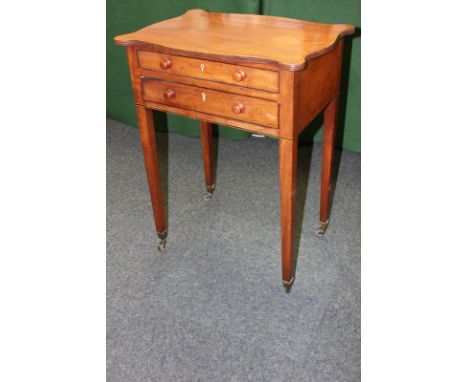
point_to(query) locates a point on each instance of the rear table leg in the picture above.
(328, 149)
(206, 130)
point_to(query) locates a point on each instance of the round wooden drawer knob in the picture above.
(169, 94)
(238, 108)
(238, 75)
(165, 63)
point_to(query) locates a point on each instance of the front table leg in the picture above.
(150, 153)
(206, 132)
(328, 148)
(287, 170)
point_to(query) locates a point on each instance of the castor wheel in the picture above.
(209, 192)
(162, 240)
(288, 285)
(161, 245)
(320, 231)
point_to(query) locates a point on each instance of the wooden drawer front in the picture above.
(210, 70)
(228, 105)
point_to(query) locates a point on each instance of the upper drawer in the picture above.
(209, 70)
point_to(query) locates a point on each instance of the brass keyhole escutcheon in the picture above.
(202, 67)
(203, 95)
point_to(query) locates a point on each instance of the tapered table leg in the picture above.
(206, 131)
(328, 148)
(287, 170)
(150, 153)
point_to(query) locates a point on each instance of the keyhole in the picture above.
(203, 95)
(202, 67)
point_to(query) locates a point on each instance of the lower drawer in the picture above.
(233, 106)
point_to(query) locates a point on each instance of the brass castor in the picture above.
(287, 285)
(161, 245)
(320, 231)
(207, 196)
(162, 240)
(209, 193)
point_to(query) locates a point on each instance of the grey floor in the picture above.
(212, 306)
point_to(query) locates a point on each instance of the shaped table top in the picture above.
(287, 42)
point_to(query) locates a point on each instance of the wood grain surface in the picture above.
(286, 42)
(264, 74)
(249, 109)
(210, 70)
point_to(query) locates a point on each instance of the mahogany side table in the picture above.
(264, 74)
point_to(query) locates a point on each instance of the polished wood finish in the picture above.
(134, 75)
(238, 108)
(287, 42)
(263, 74)
(164, 62)
(210, 70)
(148, 144)
(329, 134)
(288, 102)
(169, 94)
(317, 85)
(275, 133)
(249, 109)
(287, 170)
(206, 133)
(192, 81)
(239, 75)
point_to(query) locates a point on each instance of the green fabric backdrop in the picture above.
(336, 12)
(125, 16)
